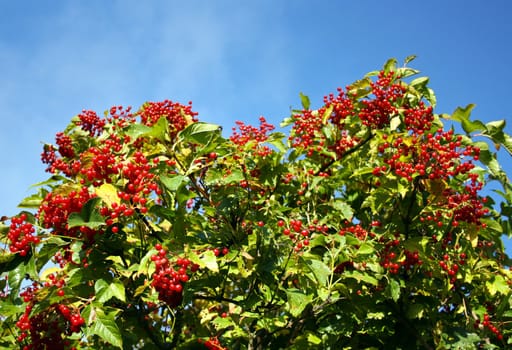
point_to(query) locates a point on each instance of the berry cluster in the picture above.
(346, 265)
(56, 208)
(395, 259)
(307, 128)
(487, 323)
(436, 156)
(419, 119)
(21, 235)
(46, 329)
(467, 206)
(451, 269)
(395, 263)
(219, 252)
(178, 115)
(356, 230)
(168, 281)
(251, 135)
(140, 183)
(57, 282)
(97, 165)
(212, 343)
(65, 144)
(120, 116)
(300, 233)
(55, 163)
(376, 111)
(90, 122)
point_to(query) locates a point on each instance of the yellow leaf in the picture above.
(48, 272)
(140, 289)
(108, 193)
(473, 236)
(394, 123)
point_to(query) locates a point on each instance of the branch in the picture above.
(215, 298)
(347, 153)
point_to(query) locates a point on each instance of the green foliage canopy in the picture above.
(367, 225)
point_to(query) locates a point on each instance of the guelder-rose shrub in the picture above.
(370, 224)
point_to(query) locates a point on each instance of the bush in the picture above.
(368, 225)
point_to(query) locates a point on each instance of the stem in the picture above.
(403, 321)
(216, 298)
(280, 279)
(177, 327)
(150, 333)
(348, 152)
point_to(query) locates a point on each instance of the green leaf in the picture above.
(495, 127)
(344, 209)
(360, 88)
(235, 176)
(25, 268)
(106, 291)
(320, 270)
(209, 260)
(286, 121)
(277, 142)
(200, 132)
(493, 225)
(489, 159)
(366, 249)
(507, 143)
(31, 202)
(9, 309)
(183, 194)
(494, 131)
(472, 126)
(222, 323)
(390, 65)
(462, 115)
(172, 183)
(497, 284)
(375, 315)
(360, 276)
(415, 311)
(158, 130)
(6, 257)
(52, 180)
(419, 83)
(305, 101)
(465, 340)
(297, 301)
(313, 339)
(106, 328)
(137, 130)
(145, 267)
(89, 216)
(409, 59)
(327, 114)
(405, 72)
(393, 290)
(10, 261)
(431, 96)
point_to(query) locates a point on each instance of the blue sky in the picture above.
(236, 60)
